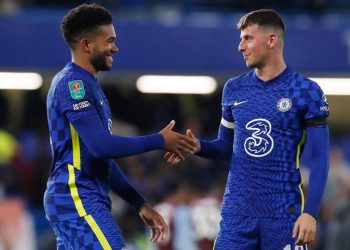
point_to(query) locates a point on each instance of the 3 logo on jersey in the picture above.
(260, 143)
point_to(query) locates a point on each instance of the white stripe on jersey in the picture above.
(226, 123)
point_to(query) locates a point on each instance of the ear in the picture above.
(272, 41)
(86, 45)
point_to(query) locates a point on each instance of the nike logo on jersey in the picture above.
(236, 103)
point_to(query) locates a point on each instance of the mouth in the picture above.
(109, 58)
(245, 57)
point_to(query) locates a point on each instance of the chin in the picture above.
(109, 65)
(249, 65)
(105, 67)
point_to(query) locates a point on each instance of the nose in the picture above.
(115, 49)
(241, 47)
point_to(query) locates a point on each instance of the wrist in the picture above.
(309, 213)
(157, 140)
(198, 146)
(139, 205)
(161, 138)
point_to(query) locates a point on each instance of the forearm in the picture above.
(220, 148)
(123, 188)
(215, 149)
(104, 145)
(317, 139)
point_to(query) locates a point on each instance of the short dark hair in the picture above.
(83, 19)
(263, 18)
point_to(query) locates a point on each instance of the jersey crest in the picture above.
(284, 104)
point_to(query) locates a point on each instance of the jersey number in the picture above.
(288, 247)
(260, 143)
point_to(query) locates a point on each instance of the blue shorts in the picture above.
(247, 233)
(88, 232)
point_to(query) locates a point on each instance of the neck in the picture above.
(84, 63)
(271, 70)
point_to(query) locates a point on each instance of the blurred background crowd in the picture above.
(189, 195)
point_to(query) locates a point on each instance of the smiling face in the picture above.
(255, 45)
(102, 47)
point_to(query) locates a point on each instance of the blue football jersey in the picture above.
(268, 119)
(78, 182)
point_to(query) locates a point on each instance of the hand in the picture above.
(305, 228)
(192, 136)
(173, 159)
(176, 143)
(159, 230)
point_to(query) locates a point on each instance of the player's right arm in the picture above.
(104, 145)
(76, 100)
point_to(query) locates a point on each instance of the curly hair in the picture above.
(82, 20)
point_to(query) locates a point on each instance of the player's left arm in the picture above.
(124, 189)
(120, 185)
(318, 144)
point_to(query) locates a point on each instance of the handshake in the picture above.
(178, 146)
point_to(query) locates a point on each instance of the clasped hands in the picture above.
(179, 146)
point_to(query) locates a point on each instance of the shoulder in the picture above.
(69, 88)
(308, 90)
(58, 84)
(235, 83)
(71, 83)
(303, 82)
(66, 78)
(310, 96)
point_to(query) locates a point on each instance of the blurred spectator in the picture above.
(8, 149)
(336, 205)
(9, 7)
(177, 215)
(205, 215)
(8, 146)
(16, 226)
(337, 192)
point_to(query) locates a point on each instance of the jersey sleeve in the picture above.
(316, 102)
(75, 99)
(226, 103)
(221, 147)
